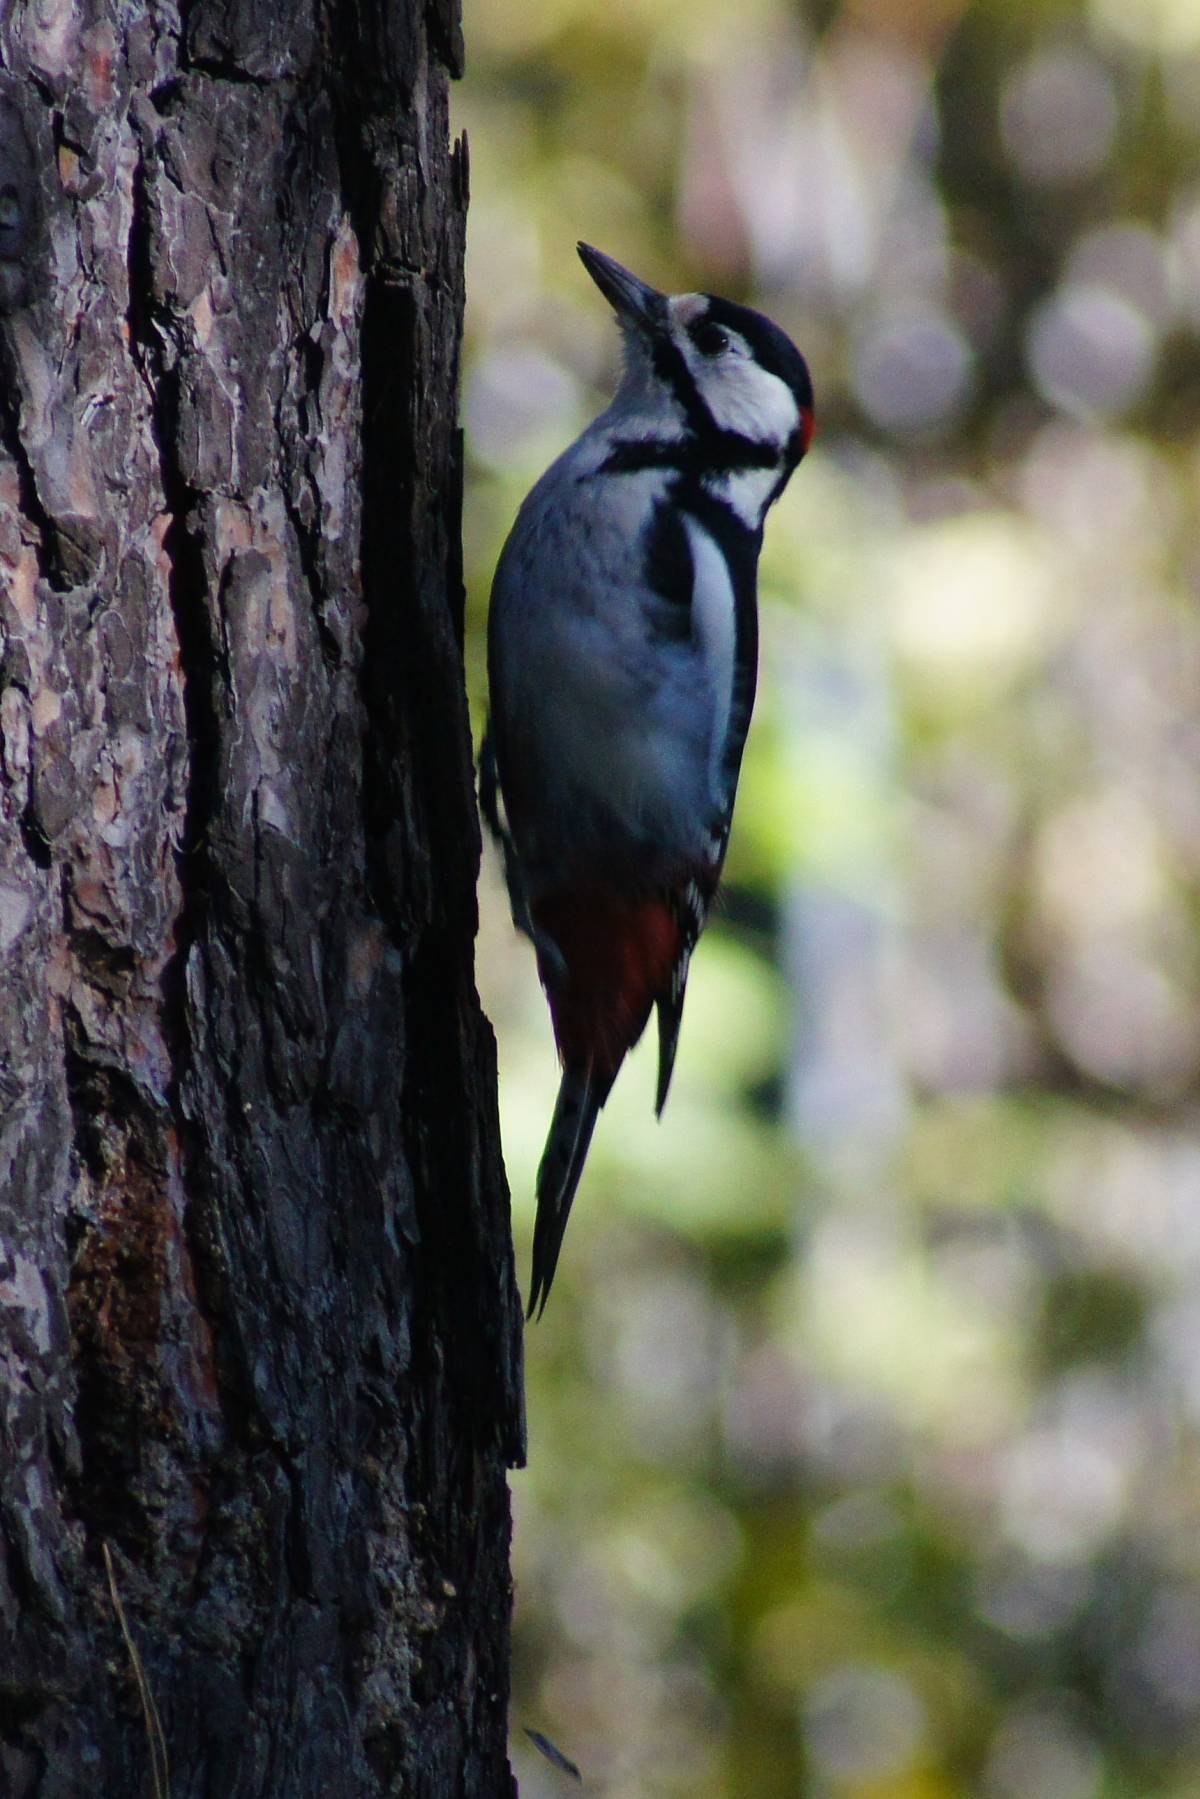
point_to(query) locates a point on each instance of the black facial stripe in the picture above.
(716, 453)
(793, 450)
(672, 370)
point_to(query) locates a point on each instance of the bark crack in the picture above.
(41, 532)
(187, 585)
(157, 353)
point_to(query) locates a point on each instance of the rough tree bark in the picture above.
(259, 1331)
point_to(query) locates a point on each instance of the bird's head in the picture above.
(719, 373)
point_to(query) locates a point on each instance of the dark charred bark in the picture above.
(259, 1332)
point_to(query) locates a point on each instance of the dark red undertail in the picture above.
(618, 958)
(619, 955)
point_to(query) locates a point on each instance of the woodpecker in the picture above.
(622, 661)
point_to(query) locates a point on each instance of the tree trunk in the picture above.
(259, 1333)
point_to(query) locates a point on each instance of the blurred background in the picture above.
(865, 1417)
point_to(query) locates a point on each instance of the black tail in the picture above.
(670, 1017)
(571, 1128)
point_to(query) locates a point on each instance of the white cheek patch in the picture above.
(746, 398)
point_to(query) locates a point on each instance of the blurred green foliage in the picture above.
(865, 1416)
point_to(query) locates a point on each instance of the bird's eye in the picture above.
(710, 339)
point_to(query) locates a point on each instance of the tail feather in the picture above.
(670, 1017)
(575, 1114)
(670, 1003)
(606, 959)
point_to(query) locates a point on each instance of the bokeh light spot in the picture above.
(862, 1722)
(1058, 116)
(1091, 351)
(911, 370)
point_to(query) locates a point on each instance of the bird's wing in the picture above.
(723, 557)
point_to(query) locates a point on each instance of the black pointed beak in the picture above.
(633, 301)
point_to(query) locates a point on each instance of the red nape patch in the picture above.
(808, 425)
(619, 954)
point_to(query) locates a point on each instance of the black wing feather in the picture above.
(691, 910)
(575, 1114)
